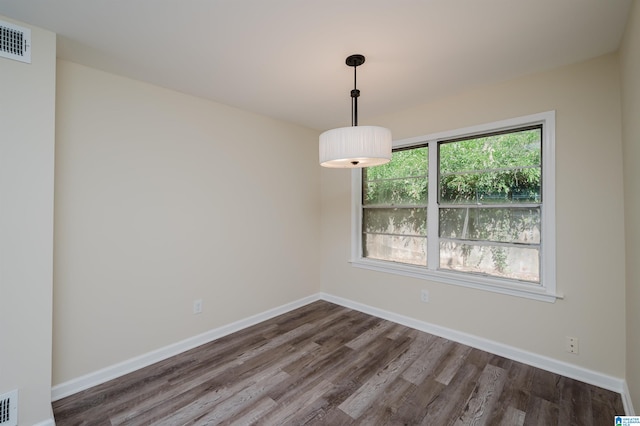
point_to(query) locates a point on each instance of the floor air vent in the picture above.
(9, 408)
(15, 43)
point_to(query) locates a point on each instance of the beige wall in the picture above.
(630, 66)
(589, 217)
(27, 118)
(163, 198)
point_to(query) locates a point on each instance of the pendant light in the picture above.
(355, 146)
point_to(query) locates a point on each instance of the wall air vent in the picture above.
(9, 408)
(15, 43)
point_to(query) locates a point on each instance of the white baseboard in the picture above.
(549, 364)
(114, 371)
(626, 401)
(540, 361)
(48, 422)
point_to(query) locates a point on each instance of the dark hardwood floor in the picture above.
(324, 364)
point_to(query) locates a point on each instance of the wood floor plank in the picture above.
(323, 367)
(512, 417)
(582, 407)
(606, 398)
(367, 336)
(425, 365)
(324, 364)
(312, 413)
(226, 409)
(515, 396)
(318, 312)
(452, 363)
(601, 414)
(343, 330)
(336, 395)
(384, 408)
(375, 387)
(415, 405)
(450, 402)
(565, 404)
(545, 385)
(297, 404)
(252, 414)
(376, 360)
(484, 396)
(332, 417)
(212, 408)
(541, 413)
(320, 361)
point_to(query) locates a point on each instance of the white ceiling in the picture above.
(285, 58)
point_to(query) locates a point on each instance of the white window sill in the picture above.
(512, 288)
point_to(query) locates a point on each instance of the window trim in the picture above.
(546, 291)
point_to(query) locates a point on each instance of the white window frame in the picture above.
(545, 291)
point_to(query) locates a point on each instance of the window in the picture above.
(472, 207)
(394, 208)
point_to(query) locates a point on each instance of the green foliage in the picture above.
(409, 162)
(492, 169)
(401, 181)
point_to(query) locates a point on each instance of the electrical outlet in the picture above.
(572, 345)
(197, 306)
(424, 296)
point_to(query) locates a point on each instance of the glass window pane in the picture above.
(501, 168)
(507, 150)
(505, 262)
(396, 192)
(410, 162)
(401, 182)
(507, 225)
(512, 186)
(412, 250)
(395, 221)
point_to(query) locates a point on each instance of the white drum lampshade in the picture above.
(355, 147)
